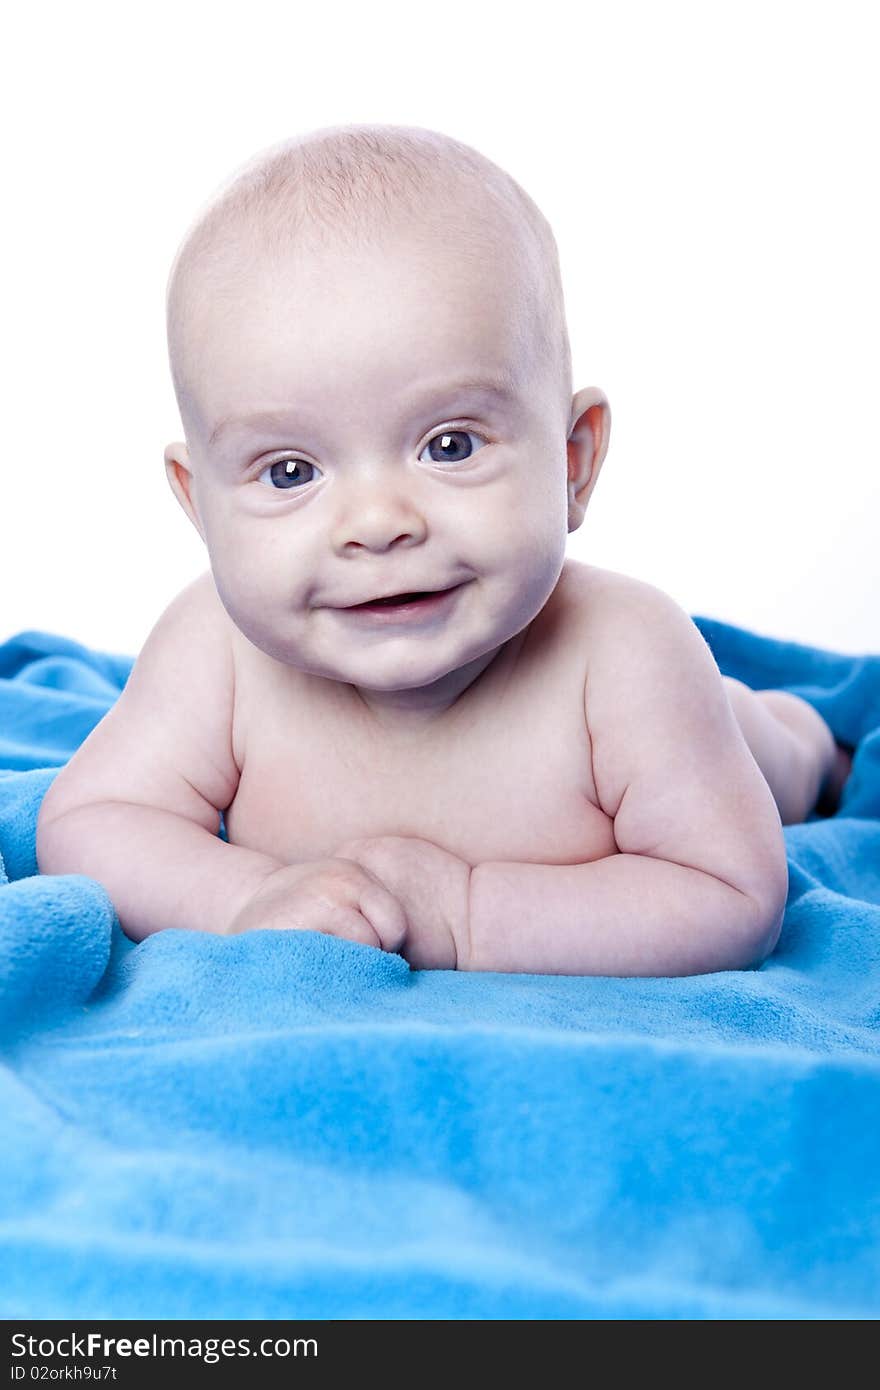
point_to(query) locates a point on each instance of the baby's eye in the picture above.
(451, 446)
(288, 473)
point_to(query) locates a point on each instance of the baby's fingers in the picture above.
(349, 925)
(385, 914)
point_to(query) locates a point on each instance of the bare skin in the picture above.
(544, 772)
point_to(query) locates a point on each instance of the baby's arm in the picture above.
(138, 805)
(701, 879)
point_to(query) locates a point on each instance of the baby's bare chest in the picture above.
(511, 780)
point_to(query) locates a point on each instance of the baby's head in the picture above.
(368, 346)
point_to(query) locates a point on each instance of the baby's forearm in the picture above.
(159, 869)
(627, 914)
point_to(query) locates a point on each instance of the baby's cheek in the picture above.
(243, 585)
(241, 557)
(530, 535)
(531, 567)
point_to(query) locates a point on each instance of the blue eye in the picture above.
(451, 446)
(285, 474)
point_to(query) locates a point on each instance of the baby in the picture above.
(427, 730)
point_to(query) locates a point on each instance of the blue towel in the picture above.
(289, 1125)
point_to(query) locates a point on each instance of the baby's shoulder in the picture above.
(201, 597)
(189, 651)
(603, 598)
(195, 622)
(613, 617)
(633, 634)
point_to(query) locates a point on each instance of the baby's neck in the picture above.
(414, 711)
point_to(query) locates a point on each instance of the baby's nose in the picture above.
(377, 518)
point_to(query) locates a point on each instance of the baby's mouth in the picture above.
(409, 604)
(397, 599)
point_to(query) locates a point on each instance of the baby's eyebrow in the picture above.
(488, 389)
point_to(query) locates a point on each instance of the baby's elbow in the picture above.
(49, 845)
(767, 891)
(762, 935)
(54, 845)
(44, 841)
(761, 942)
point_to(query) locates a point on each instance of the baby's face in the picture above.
(367, 427)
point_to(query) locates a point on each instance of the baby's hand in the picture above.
(432, 887)
(335, 896)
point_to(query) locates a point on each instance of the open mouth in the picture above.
(411, 606)
(398, 599)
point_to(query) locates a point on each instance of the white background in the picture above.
(711, 174)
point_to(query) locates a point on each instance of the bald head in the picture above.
(361, 188)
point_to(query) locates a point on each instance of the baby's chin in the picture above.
(385, 672)
(382, 672)
(388, 673)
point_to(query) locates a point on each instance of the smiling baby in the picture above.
(426, 728)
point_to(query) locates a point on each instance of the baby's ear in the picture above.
(180, 477)
(587, 445)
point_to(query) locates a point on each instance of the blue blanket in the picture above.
(288, 1125)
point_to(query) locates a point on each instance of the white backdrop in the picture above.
(710, 171)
